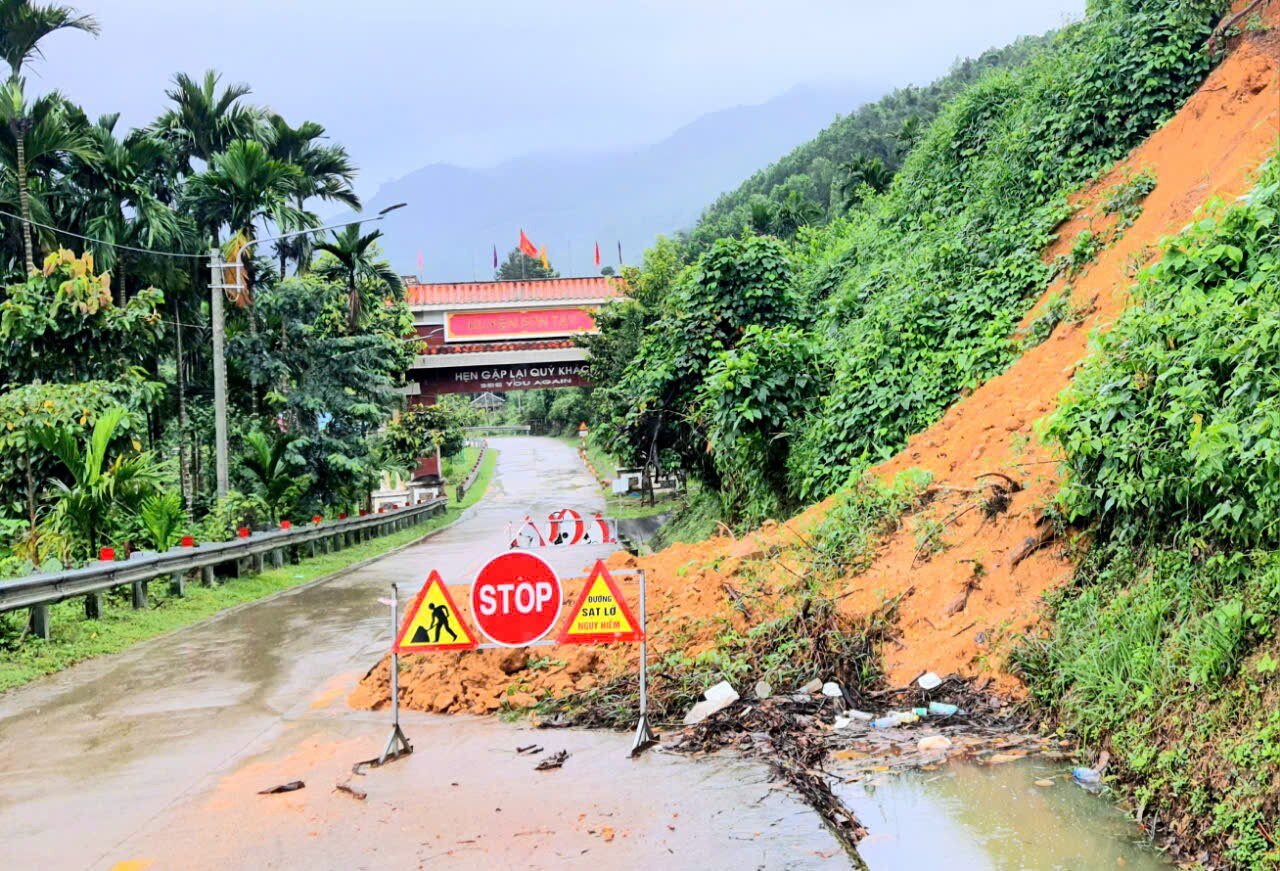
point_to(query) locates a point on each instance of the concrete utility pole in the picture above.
(218, 287)
(217, 291)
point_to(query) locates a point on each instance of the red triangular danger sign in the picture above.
(600, 615)
(433, 622)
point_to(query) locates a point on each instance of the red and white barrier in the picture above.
(565, 527)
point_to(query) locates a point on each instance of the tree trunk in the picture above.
(24, 198)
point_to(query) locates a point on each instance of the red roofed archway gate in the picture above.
(493, 336)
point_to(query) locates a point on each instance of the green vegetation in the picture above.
(855, 157)
(1165, 648)
(106, 369)
(775, 370)
(74, 638)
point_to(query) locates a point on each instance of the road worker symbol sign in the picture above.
(432, 622)
(516, 599)
(601, 615)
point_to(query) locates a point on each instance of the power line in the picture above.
(105, 242)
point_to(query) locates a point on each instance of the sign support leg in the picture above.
(644, 734)
(397, 744)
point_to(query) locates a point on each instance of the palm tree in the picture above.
(116, 200)
(205, 121)
(23, 25)
(244, 185)
(268, 462)
(100, 489)
(355, 255)
(37, 136)
(327, 174)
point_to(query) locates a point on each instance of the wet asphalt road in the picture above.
(155, 755)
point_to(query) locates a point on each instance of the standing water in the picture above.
(964, 816)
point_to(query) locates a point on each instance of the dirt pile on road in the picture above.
(967, 580)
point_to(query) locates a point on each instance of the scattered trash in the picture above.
(811, 687)
(1087, 777)
(555, 760)
(291, 786)
(941, 709)
(933, 743)
(832, 690)
(1091, 778)
(763, 690)
(353, 791)
(929, 681)
(853, 716)
(530, 749)
(895, 718)
(606, 833)
(860, 715)
(717, 698)
(1045, 782)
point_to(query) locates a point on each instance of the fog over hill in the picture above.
(568, 201)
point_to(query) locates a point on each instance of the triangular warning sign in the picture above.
(600, 615)
(433, 622)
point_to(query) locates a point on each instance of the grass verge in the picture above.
(24, 658)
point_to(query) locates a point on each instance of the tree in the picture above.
(43, 134)
(422, 429)
(519, 266)
(100, 494)
(244, 185)
(23, 25)
(654, 408)
(357, 264)
(327, 174)
(333, 389)
(117, 202)
(62, 325)
(269, 462)
(205, 121)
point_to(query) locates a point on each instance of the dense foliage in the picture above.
(913, 296)
(822, 178)
(1166, 648)
(106, 423)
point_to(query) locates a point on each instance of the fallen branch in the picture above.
(353, 791)
(1014, 486)
(737, 600)
(1031, 544)
(1222, 28)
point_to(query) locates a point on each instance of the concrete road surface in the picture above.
(153, 758)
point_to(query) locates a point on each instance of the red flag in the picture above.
(419, 260)
(495, 256)
(527, 248)
(597, 254)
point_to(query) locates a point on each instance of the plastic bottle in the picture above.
(942, 709)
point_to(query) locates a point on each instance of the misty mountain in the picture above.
(568, 201)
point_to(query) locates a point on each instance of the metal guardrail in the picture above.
(501, 430)
(470, 480)
(39, 591)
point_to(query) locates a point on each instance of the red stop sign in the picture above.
(516, 598)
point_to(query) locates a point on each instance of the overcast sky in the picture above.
(405, 83)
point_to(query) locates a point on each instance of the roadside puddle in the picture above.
(1024, 813)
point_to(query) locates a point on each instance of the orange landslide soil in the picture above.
(1208, 151)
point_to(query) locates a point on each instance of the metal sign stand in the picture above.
(397, 745)
(644, 734)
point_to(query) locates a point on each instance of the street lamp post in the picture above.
(218, 287)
